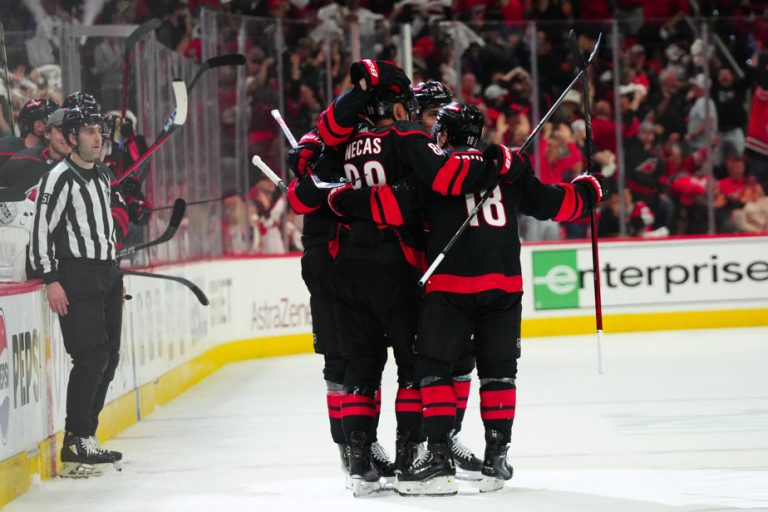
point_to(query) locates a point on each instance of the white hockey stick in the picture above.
(286, 130)
(269, 173)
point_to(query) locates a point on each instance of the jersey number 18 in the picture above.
(493, 209)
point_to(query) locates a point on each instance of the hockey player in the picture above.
(478, 289)
(315, 155)
(24, 170)
(31, 122)
(73, 245)
(375, 267)
(82, 100)
(431, 97)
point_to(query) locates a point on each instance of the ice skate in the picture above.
(406, 450)
(496, 469)
(80, 458)
(116, 456)
(431, 474)
(364, 478)
(467, 465)
(383, 464)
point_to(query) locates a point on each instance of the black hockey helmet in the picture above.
(82, 100)
(34, 110)
(77, 118)
(431, 94)
(383, 102)
(463, 123)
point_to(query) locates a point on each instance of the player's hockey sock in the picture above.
(461, 384)
(497, 405)
(374, 437)
(358, 411)
(334, 396)
(408, 409)
(439, 401)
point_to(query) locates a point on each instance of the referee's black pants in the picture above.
(91, 331)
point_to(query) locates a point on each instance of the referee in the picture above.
(73, 245)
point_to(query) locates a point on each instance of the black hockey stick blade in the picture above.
(201, 297)
(230, 59)
(179, 207)
(141, 31)
(573, 46)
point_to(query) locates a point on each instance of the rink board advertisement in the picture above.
(660, 275)
(23, 402)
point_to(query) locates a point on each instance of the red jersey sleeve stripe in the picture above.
(445, 175)
(568, 206)
(330, 131)
(392, 214)
(296, 203)
(456, 189)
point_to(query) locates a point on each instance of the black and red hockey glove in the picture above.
(510, 163)
(302, 158)
(593, 185)
(335, 194)
(379, 74)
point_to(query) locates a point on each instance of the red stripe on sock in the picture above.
(461, 387)
(496, 414)
(443, 410)
(498, 398)
(356, 410)
(437, 395)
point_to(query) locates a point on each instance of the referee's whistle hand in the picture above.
(57, 298)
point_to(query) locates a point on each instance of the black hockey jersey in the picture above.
(24, 170)
(9, 146)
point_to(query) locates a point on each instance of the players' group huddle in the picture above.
(48, 133)
(384, 181)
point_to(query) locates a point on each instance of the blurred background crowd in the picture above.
(679, 117)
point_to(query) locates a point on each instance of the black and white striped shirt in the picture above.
(73, 218)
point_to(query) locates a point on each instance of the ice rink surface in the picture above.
(678, 422)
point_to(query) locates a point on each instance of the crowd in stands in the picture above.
(690, 110)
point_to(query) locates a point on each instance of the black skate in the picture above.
(382, 464)
(364, 478)
(431, 474)
(467, 465)
(80, 459)
(116, 456)
(496, 469)
(406, 450)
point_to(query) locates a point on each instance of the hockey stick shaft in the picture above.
(269, 173)
(136, 36)
(179, 207)
(489, 192)
(7, 76)
(576, 52)
(286, 131)
(201, 297)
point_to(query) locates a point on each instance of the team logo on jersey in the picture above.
(555, 279)
(5, 380)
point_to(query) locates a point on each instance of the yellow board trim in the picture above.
(17, 472)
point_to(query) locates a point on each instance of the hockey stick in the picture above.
(175, 121)
(269, 173)
(231, 59)
(523, 148)
(201, 297)
(286, 131)
(7, 80)
(579, 58)
(133, 39)
(179, 207)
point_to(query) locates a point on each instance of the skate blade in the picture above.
(491, 484)
(362, 488)
(438, 486)
(387, 483)
(469, 476)
(79, 470)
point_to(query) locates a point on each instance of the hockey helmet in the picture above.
(383, 102)
(431, 94)
(76, 118)
(82, 100)
(463, 124)
(34, 110)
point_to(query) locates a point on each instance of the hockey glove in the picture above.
(381, 74)
(130, 188)
(335, 194)
(510, 163)
(302, 158)
(592, 185)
